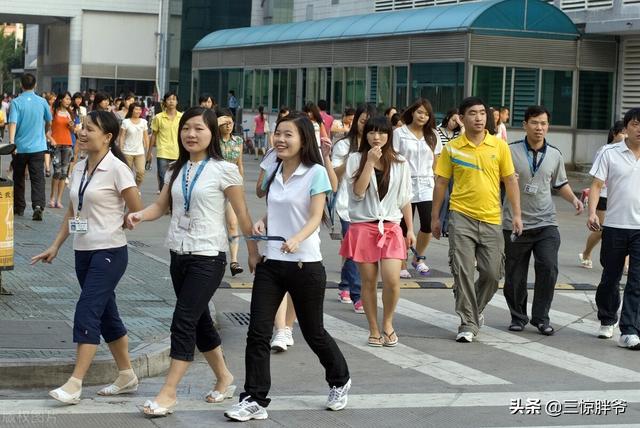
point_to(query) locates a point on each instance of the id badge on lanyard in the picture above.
(78, 225)
(184, 222)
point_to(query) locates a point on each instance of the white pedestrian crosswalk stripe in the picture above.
(583, 297)
(404, 356)
(558, 318)
(133, 403)
(522, 346)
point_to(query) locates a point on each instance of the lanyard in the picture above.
(533, 166)
(188, 189)
(83, 185)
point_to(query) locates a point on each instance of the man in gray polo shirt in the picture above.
(540, 167)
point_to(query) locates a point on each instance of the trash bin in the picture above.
(6, 225)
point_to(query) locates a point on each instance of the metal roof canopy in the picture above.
(519, 18)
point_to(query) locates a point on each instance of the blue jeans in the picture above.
(99, 272)
(349, 275)
(163, 165)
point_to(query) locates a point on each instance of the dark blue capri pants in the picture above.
(99, 272)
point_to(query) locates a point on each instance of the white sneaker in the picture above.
(246, 410)
(288, 332)
(464, 337)
(606, 331)
(337, 399)
(631, 341)
(279, 342)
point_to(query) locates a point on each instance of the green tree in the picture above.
(11, 56)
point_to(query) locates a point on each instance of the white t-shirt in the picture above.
(339, 157)
(134, 137)
(207, 233)
(420, 158)
(369, 207)
(288, 210)
(618, 167)
(103, 205)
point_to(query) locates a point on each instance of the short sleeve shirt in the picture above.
(288, 210)
(133, 137)
(618, 167)
(232, 149)
(476, 173)
(538, 209)
(103, 205)
(30, 113)
(166, 130)
(207, 233)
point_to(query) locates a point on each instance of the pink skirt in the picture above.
(364, 244)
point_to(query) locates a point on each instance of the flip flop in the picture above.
(375, 342)
(387, 339)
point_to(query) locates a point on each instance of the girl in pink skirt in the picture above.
(379, 198)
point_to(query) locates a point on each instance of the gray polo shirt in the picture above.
(538, 209)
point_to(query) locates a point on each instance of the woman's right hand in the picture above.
(259, 228)
(133, 219)
(45, 257)
(374, 155)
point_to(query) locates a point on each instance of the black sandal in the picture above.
(545, 329)
(516, 327)
(235, 268)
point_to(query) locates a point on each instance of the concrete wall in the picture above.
(325, 8)
(70, 8)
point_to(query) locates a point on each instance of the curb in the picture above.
(147, 360)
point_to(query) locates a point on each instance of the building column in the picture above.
(75, 54)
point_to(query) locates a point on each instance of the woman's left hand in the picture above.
(291, 246)
(411, 239)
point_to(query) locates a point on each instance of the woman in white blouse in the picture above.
(379, 198)
(134, 140)
(419, 143)
(101, 186)
(297, 189)
(196, 188)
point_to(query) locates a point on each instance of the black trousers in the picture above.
(616, 245)
(544, 243)
(195, 279)
(306, 285)
(35, 163)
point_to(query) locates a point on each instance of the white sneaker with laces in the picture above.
(279, 342)
(338, 397)
(606, 331)
(464, 337)
(288, 332)
(631, 341)
(246, 410)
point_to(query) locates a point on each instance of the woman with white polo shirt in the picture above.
(196, 188)
(297, 189)
(101, 186)
(134, 140)
(419, 143)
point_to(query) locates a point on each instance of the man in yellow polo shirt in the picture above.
(165, 135)
(476, 161)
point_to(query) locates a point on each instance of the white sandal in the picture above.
(114, 389)
(214, 396)
(586, 263)
(153, 409)
(64, 397)
(404, 274)
(421, 268)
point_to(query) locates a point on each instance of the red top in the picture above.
(60, 128)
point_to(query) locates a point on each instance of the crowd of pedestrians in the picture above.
(367, 172)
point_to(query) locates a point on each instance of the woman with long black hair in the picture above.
(100, 188)
(196, 188)
(297, 190)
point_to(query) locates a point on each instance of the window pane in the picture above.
(311, 85)
(291, 88)
(441, 84)
(507, 92)
(595, 100)
(210, 82)
(487, 84)
(262, 88)
(401, 86)
(338, 79)
(355, 86)
(383, 92)
(248, 89)
(557, 89)
(525, 92)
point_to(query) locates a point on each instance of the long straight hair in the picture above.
(213, 150)
(58, 103)
(389, 155)
(352, 135)
(108, 123)
(309, 151)
(429, 127)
